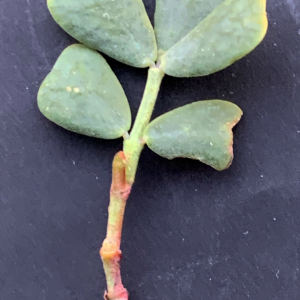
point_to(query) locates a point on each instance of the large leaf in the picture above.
(83, 95)
(232, 30)
(119, 28)
(201, 130)
(176, 18)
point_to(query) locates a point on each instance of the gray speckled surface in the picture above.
(190, 232)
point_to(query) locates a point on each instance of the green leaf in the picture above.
(232, 30)
(118, 28)
(174, 19)
(83, 95)
(201, 130)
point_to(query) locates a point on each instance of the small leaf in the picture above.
(201, 130)
(118, 28)
(231, 31)
(174, 19)
(82, 94)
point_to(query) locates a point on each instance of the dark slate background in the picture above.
(190, 232)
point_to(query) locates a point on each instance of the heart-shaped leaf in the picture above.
(201, 130)
(119, 28)
(174, 19)
(82, 94)
(232, 30)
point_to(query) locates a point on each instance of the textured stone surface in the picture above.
(201, 130)
(83, 95)
(230, 32)
(120, 29)
(176, 18)
(190, 232)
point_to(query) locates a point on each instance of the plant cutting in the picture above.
(190, 38)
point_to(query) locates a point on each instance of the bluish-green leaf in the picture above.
(82, 94)
(231, 31)
(174, 19)
(119, 28)
(201, 130)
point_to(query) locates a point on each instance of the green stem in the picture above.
(134, 145)
(124, 170)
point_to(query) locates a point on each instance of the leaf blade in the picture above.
(229, 33)
(120, 29)
(82, 94)
(174, 19)
(201, 130)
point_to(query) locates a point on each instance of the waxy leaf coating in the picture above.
(231, 31)
(82, 94)
(119, 28)
(174, 19)
(201, 130)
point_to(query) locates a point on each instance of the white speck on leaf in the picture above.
(106, 15)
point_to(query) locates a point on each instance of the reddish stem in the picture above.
(110, 252)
